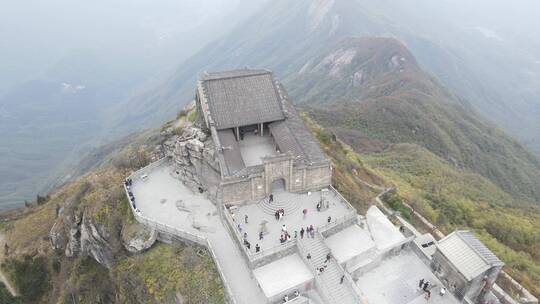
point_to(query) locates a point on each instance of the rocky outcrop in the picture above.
(78, 235)
(195, 161)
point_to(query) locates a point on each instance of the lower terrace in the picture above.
(261, 217)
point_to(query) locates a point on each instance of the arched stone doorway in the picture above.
(278, 185)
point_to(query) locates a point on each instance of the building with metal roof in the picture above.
(466, 264)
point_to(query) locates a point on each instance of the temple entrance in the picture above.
(278, 185)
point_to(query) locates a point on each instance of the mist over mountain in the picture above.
(296, 40)
(65, 66)
(487, 62)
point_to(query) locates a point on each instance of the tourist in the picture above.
(329, 219)
(260, 235)
(428, 294)
(321, 269)
(248, 245)
(296, 293)
(421, 283)
(341, 279)
(288, 236)
(308, 256)
(281, 239)
(257, 248)
(305, 213)
(443, 291)
(245, 235)
(284, 228)
(239, 227)
(246, 218)
(296, 234)
(232, 216)
(285, 298)
(277, 214)
(302, 233)
(328, 256)
(271, 198)
(319, 206)
(426, 284)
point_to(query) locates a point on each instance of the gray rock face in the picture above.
(78, 235)
(195, 160)
(94, 242)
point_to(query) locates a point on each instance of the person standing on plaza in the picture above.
(302, 233)
(246, 218)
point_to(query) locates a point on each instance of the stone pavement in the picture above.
(156, 197)
(395, 281)
(293, 221)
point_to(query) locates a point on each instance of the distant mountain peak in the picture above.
(318, 11)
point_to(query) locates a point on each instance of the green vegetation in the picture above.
(30, 275)
(164, 271)
(88, 282)
(394, 201)
(453, 198)
(5, 296)
(410, 107)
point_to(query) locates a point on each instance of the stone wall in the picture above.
(449, 275)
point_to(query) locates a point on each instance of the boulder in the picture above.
(137, 238)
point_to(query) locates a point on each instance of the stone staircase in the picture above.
(270, 208)
(329, 280)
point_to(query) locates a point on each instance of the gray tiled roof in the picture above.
(292, 135)
(468, 254)
(231, 153)
(242, 97)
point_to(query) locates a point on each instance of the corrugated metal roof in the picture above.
(467, 254)
(242, 97)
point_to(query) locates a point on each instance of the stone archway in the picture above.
(278, 185)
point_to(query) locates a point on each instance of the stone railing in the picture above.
(325, 293)
(343, 199)
(140, 172)
(338, 224)
(229, 297)
(264, 256)
(175, 232)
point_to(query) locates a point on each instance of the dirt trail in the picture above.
(3, 278)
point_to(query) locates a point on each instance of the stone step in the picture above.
(270, 208)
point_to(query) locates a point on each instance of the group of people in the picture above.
(285, 236)
(128, 182)
(426, 287)
(280, 213)
(309, 231)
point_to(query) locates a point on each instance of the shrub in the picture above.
(30, 275)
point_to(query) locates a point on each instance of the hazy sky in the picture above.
(35, 33)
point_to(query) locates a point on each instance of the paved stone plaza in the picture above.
(294, 220)
(157, 185)
(395, 281)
